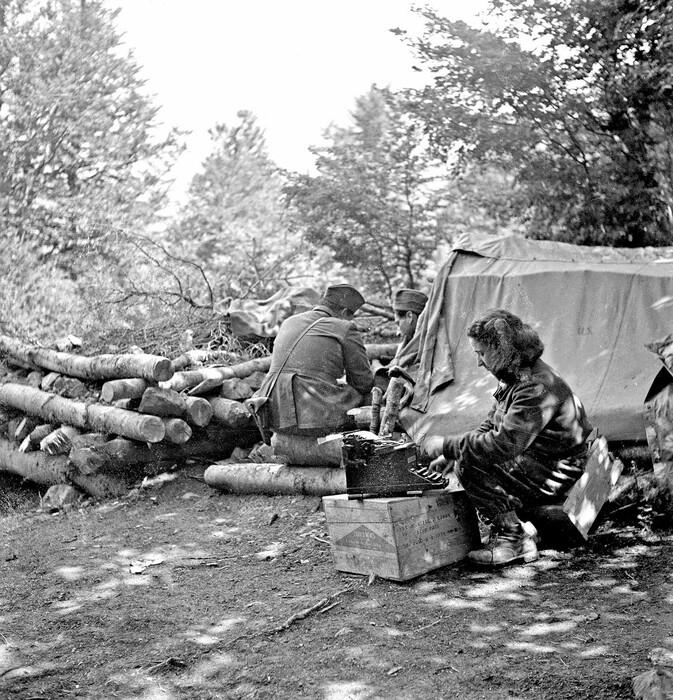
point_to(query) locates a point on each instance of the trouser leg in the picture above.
(490, 490)
(521, 483)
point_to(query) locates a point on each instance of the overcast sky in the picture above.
(298, 65)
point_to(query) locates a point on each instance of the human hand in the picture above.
(431, 446)
(442, 465)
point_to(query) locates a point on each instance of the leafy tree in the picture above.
(378, 195)
(80, 150)
(572, 98)
(234, 224)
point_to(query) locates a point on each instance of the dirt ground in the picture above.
(181, 591)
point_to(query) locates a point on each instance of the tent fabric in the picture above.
(595, 309)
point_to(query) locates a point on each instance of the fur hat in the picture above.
(409, 300)
(345, 296)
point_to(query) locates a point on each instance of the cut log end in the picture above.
(163, 370)
(177, 430)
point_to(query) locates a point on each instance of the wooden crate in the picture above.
(400, 538)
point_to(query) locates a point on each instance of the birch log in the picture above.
(233, 414)
(182, 381)
(47, 470)
(213, 442)
(104, 419)
(198, 411)
(37, 467)
(276, 479)
(236, 389)
(149, 367)
(117, 389)
(177, 430)
(162, 402)
(167, 403)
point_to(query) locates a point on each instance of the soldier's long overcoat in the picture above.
(304, 394)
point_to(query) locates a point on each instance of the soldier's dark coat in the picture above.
(306, 396)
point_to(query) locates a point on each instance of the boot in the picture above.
(511, 541)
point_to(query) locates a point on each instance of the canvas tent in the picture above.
(595, 308)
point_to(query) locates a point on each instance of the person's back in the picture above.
(320, 353)
(312, 352)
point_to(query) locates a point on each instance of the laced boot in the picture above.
(511, 541)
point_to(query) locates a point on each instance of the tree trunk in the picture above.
(118, 389)
(162, 402)
(116, 452)
(276, 479)
(233, 414)
(177, 430)
(198, 411)
(182, 381)
(104, 419)
(37, 467)
(236, 389)
(211, 443)
(47, 470)
(167, 403)
(302, 450)
(149, 367)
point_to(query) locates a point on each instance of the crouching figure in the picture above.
(531, 448)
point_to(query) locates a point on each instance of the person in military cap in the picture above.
(319, 367)
(408, 304)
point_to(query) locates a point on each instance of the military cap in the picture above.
(345, 296)
(409, 300)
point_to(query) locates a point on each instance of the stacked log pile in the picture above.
(102, 422)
